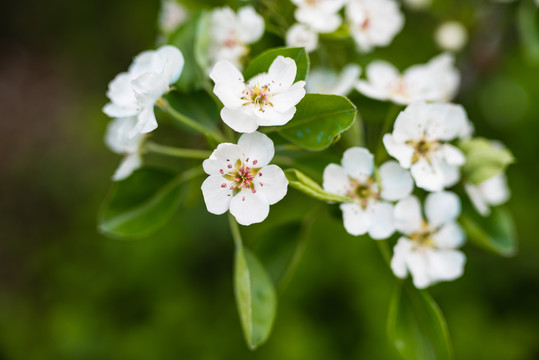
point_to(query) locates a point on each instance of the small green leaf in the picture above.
(495, 233)
(484, 159)
(416, 326)
(255, 298)
(186, 38)
(305, 184)
(197, 105)
(263, 61)
(318, 120)
(141, 204)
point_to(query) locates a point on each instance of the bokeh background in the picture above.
(67, 292)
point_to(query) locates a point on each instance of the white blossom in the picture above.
(428, 249)
(300, 35)
(326, 81)
(171, 15)
(231, 33)
(242, 180)
(491, 192)
(373, 23)
(420, 142)
(320, 15)
(119, 140)
(438, 80)
(451, 36)
(268, 99)
(369, 209)
(135, 93)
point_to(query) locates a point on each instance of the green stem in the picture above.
(177, 152)
(300, 248)
(381, 154)
(235, 230)
(190, 123)
(384, 250)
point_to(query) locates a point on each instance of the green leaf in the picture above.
(255, 298)
(305, 184)
(141, 204)
(263, 61)
(187, 38)
(495, 233)
(484, 159)
(197, 105)
(528, 20)
(416, 326)
(318, 120)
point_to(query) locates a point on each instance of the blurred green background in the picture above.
(67, 292)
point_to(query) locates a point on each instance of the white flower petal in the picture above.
(445, 121)
(251, 23)
(441, 207)
(224, 72)
(174, 62)
(249, 208)
(407, 214)
(382, 74)
(216, 196)
(396, 182)
(495, 190)
(356, 220)
(418, 264)
(450, 236)
(358, 163)
(149, 87)
(399, 150)
(446, 265)
(226, 154)
(258, 148)
(383, 222)
(146, 122)
(300, 35)
(411, 123)
(451, 174)
(477, 198)
(400, 254)
(317, 19)
(453, 155)
(272, 117)
(240, 120)
(230, 94)
(281, 73)
(272, 183)
(285, 101)
(336, 181)
(428, 176)
(129, 164)
(118, 137)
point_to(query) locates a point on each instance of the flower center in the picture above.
(423, 148)
(258, 96)
(242, 176)
(423, 237)
(363, 192)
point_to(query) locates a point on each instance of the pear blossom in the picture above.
(373, 23)
(300, 35)
(231, 33)
(320, 15)
(491, 192)
(241, 179)
(451, 36)
(438, 80)
(420, 142)
(268, 99)
(326, 81)
(171, 15)
(135, 92)
(369, 210)
(428, 249)
(119, 140)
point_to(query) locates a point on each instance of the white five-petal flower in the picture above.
(373, 22)
(135, 93)
(242, 180)
(171, 15)
(231, 33)
(326, 81)
(119, 140)
(491, 192)
(369, 209)
(320, 15)
(451, 36)
(420, 142)
(438, 80)
(268, 99)
(428, 248)
(300, 35)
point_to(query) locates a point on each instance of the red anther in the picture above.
(221, 171)
(243, 198)
(229, 166)
(255, 162)
(223, 185)
(253, 191)
(259, 174)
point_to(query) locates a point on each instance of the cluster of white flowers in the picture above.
(133, 95)
(231, 33)
(371, 23)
